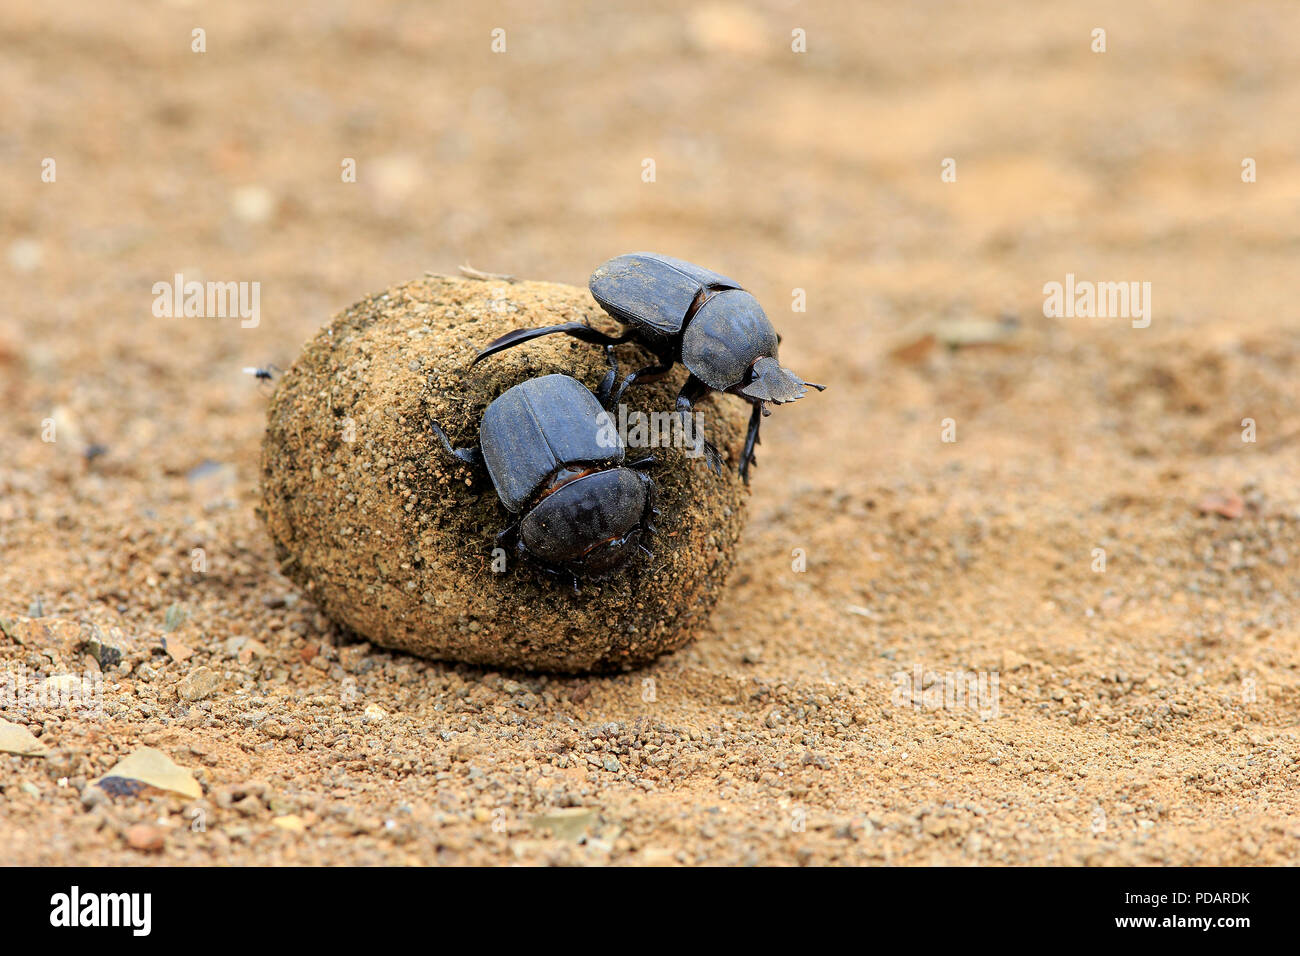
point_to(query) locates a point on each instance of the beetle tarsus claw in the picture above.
(715, 464)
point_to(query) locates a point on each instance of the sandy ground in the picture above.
(1144, 713)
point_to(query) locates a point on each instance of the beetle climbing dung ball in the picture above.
(395, 539)
(686, 313)
(575, 508)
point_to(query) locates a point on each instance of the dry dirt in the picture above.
(1145, 713)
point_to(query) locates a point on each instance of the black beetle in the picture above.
(684, 313)
(578, 508)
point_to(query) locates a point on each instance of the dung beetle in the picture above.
(681, 312)
(578, 507)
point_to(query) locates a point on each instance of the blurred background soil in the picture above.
(1146, 713)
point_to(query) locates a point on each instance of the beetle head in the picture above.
(769, 382)
(608, 555)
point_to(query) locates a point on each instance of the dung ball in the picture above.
(395, 540)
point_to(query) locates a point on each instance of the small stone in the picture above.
(200, 683)
(352, 657)
(251, 798)
(291, 822)
(146, 767)
(146, 838)
(1226, 504)
(107, 651)
(176, 650)
(1013, 660)
(16, 739)
(253, 648)
(49, 634)
(568, 823)
(62, 687)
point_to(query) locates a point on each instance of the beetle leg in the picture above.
(521, 551)
(471, 456)
(509, 534)
(553, 573)
(577, 329)
(607, 385)
(751, 439)
(645, 462)
(691, 393)
(560, 573)
(651, 373)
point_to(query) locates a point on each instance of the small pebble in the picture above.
(146, 838)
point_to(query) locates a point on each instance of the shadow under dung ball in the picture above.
(393, 538)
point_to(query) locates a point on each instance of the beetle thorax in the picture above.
(726, 334)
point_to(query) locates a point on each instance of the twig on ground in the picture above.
(470, 272)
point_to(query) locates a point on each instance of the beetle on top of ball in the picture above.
(681, 312)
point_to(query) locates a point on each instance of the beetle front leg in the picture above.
(509, 536)
(607, 384)
(751, 439)
(691, 393)
(651, 373)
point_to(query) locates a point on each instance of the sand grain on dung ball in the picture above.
(393, 539)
